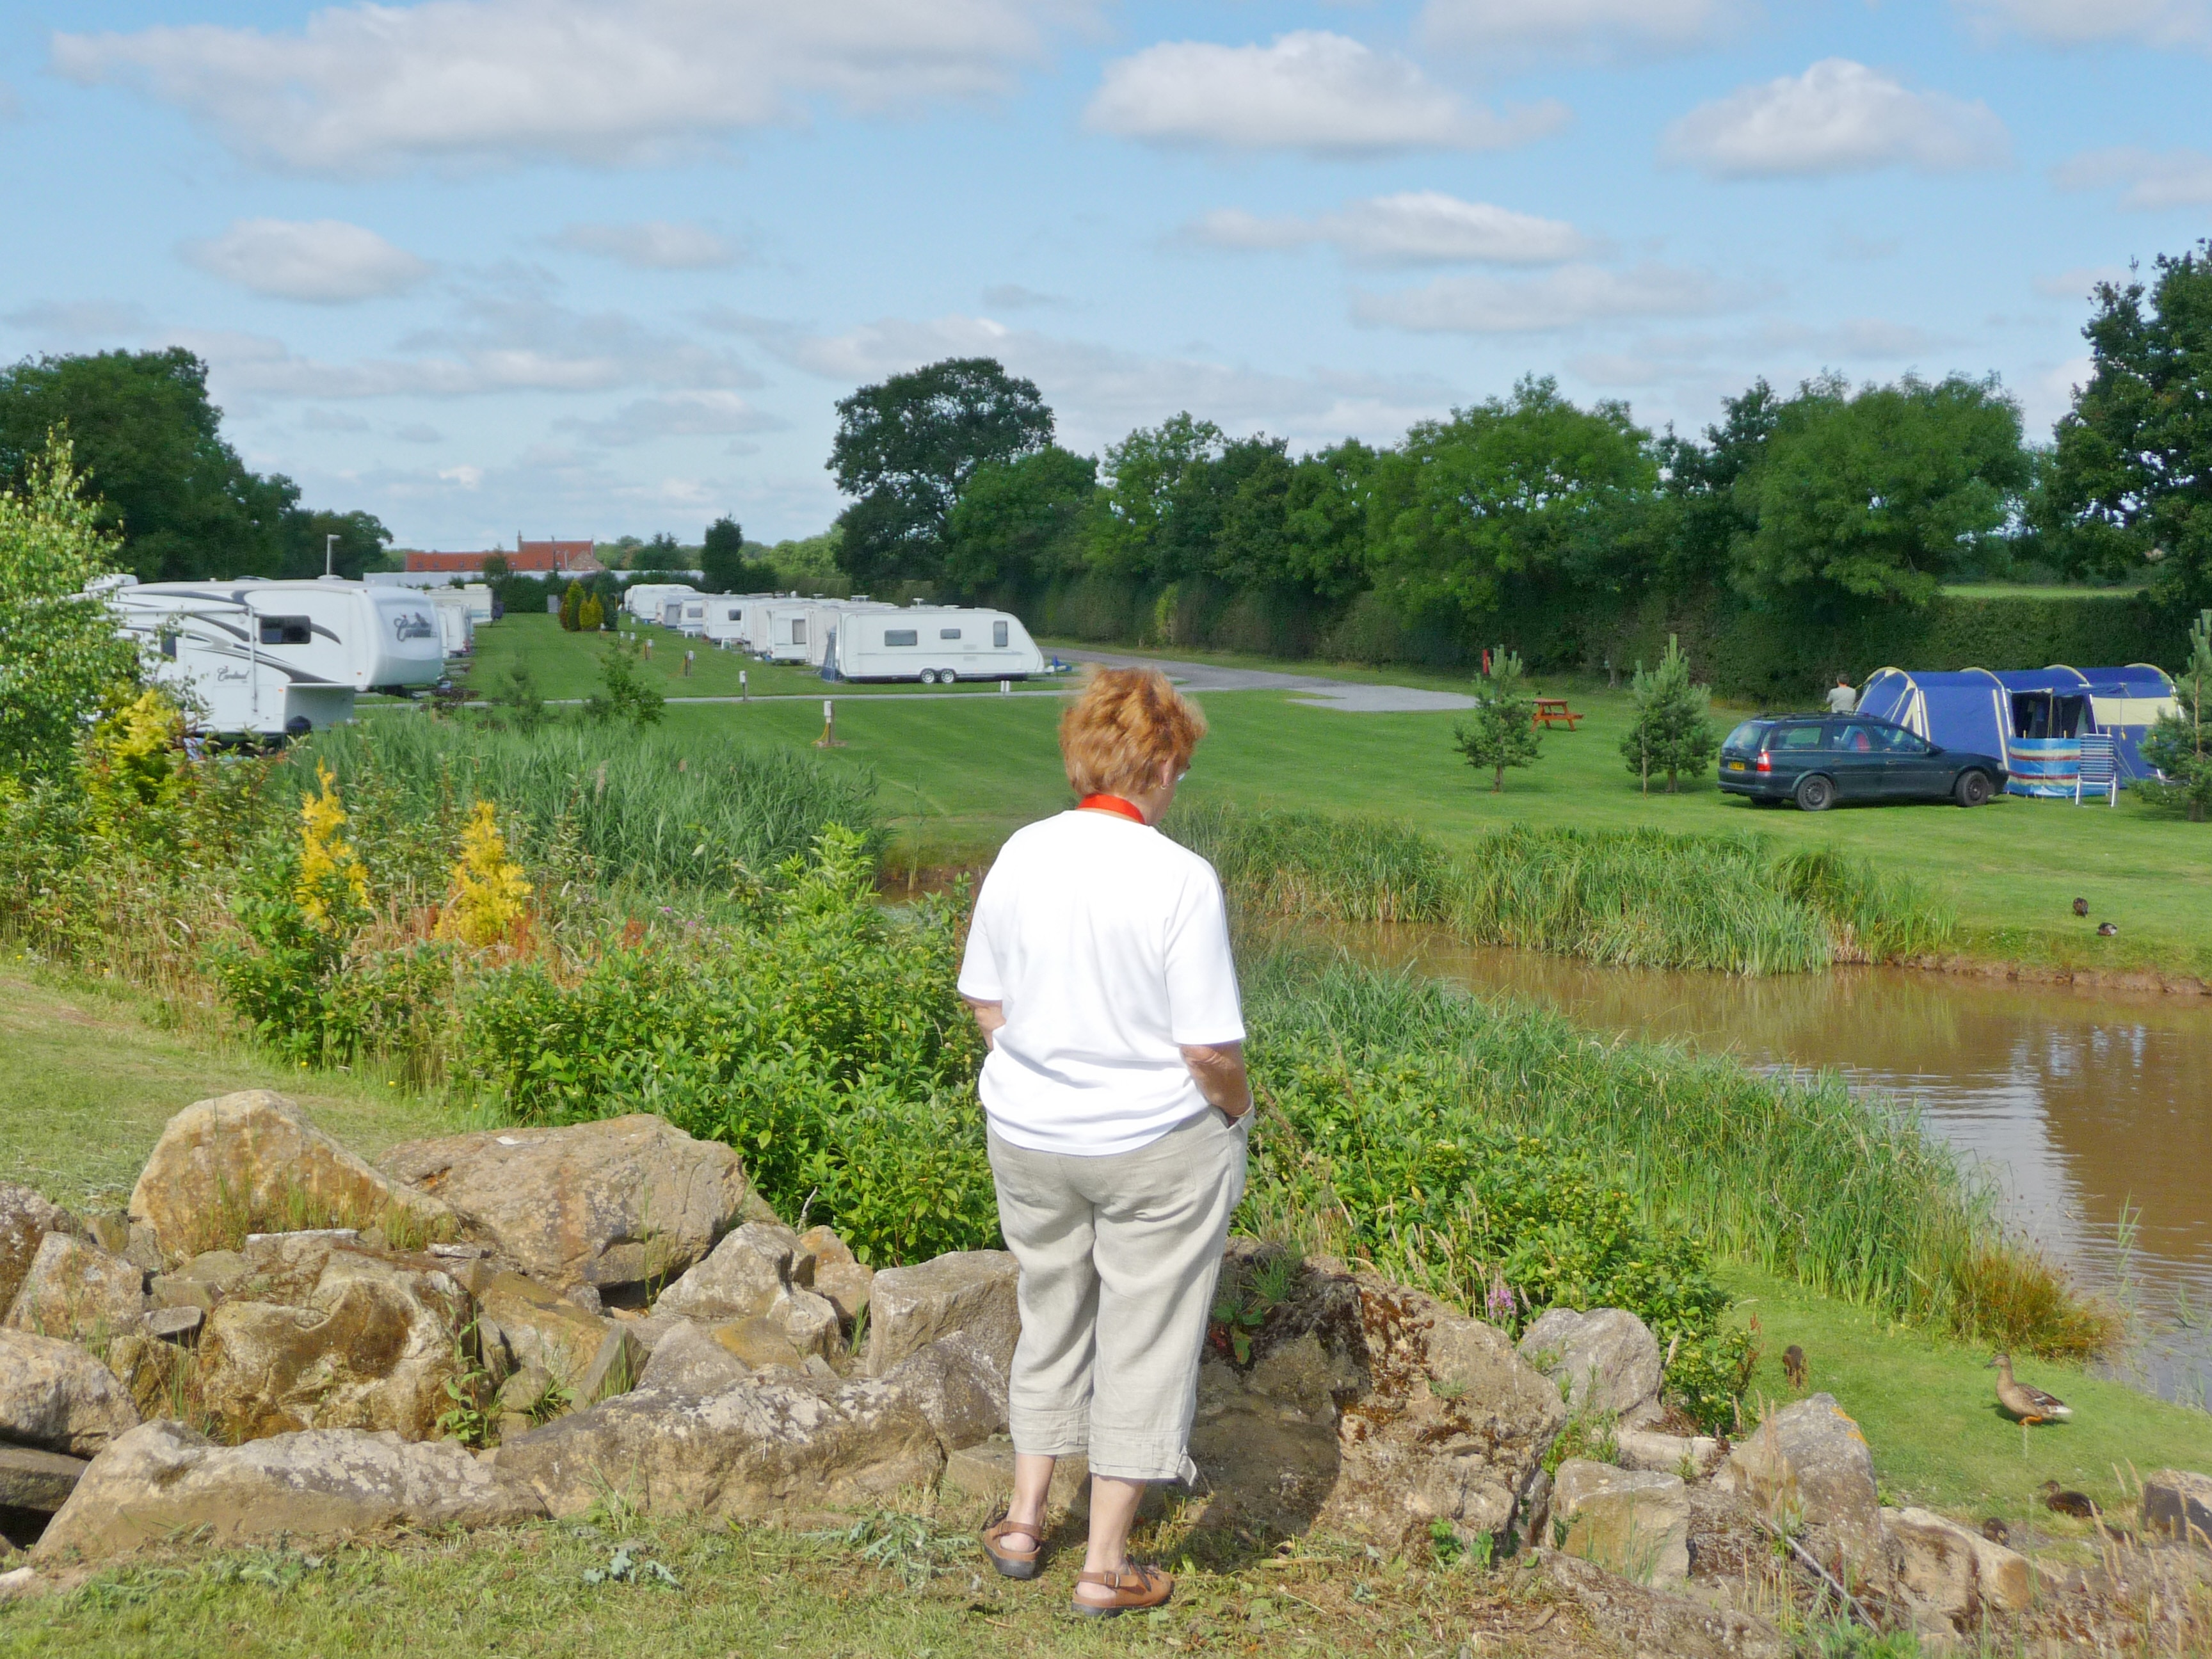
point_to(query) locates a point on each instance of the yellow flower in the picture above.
(488, 890)
(328, 869)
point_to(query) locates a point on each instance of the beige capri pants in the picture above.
(1119, 1257)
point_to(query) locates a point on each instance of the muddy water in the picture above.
(2092, 1111)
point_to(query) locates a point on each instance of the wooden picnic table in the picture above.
(1551, 710)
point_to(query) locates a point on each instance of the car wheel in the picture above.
(1973, 789)
(1815, 793)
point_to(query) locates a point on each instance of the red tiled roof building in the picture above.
(568, 558)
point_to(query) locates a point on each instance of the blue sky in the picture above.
(559, 266)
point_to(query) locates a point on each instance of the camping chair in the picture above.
(2101, 770)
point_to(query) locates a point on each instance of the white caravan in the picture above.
(936, 645)
(273, 660)
(479, 596)
(457, 626)
(645, 601)
(786, 627)
(826, 616)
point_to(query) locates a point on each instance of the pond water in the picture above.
(2092, 1110)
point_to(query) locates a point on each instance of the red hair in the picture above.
(1114, 738)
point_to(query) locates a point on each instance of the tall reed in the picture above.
(680, 814)
(1843, 1191)
(1625, 897)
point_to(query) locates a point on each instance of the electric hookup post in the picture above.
(688, 655)
(828, 738)
(744, 692)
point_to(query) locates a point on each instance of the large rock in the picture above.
(522, 1323)
(162, 1479)
(1635, 1522)
(54, 1394)
(1952, 1570)
(40, 1481)
(838, 1275)
(333, 1338)
(2180, 1504)
(26, 1218)
(622, 1201)
(76, 1289)
(970, 1291)
(959, 1388)
(1692, 1456)
(750, 1277)
(250, 1162)
(1809, 1461)
(202, 1281)
(1607, 1359)
(1649, 1624)
(687, 1359)
(753, 1449)
(1371, 1409)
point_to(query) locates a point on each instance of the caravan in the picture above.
(456, 626)
(784, 629)
(645, 601)
(273, 660)
(736, 619)
(935, 645)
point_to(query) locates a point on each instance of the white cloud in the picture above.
(1574, 25)
(1837, 117)
(468, 478)
(1098, 392)
(679, 415)
(2076, 285)
(1563, 299)
(2148, 180)
(324, 261)
(654, 245)
(81, 321)
(1856, 339)
(1311, 91)
(1012, 297)
(374, 89)
(2082, 23)
(1417, 227)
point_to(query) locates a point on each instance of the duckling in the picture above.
(1793, 1366)
(2106, 930)
(2026, 1404)
(1995, 1531)
(2081, 907)
(2078, 1505)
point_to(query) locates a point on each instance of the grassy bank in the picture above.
(1623, 897)
(958, 774)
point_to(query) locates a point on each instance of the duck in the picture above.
(2081, 907)
(1994, 1529)
(2106, 930)
(2080, 1505)
(1793, 1366)
(2018, 1401)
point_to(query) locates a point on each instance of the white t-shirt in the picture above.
(1108, 946)
(1842, 700)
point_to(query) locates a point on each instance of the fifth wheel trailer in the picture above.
(272, 660)
(935, 644)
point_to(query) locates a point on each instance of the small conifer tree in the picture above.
(1673, 731)
(590, 614)
(2180, 745)
(572, 606)
(1503, 732)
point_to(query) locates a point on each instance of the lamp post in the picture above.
(330, 554)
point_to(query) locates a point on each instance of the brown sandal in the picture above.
(1136, 1589)
(1013, 1563)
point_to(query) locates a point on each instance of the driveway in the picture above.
(1317, 691)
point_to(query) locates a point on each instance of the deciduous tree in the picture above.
(1022, 521)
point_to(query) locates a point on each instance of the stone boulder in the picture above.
(970, 1291)
(1370, 1409)
(622, 1201)
(40, 1481)
(1810, 1460)
(26, 1218)
(1952, 1571)
(1695, 1455)
(750, 1278)
(55, 1396)
(838, 1274)
(688, 1361)
(2179, 1504)
(250, 1162)
(1607, 1359)
(1650, 1624)
(203, 1280)
(322, 1336)
(162, 1479)
(1633, 1521)
(959, 1388)
(522, 1323)
(755, 1447)
(78, 1291)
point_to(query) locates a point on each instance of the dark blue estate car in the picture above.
(1817, 760)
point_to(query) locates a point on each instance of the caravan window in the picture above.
(900, 636)
(948, 633)
(999, 634)
(735, 613)
(798, 630)
(285, 630)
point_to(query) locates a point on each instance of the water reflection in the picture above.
(2091, 1110)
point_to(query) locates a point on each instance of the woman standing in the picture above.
(1099, 970)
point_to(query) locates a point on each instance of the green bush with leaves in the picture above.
(2180, 745)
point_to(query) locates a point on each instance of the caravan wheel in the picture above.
(929, 677)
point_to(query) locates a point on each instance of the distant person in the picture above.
(1842, 700)
(1098, 968)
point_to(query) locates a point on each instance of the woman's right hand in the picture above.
(1219, 1070)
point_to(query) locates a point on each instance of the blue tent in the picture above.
(2034, 717)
